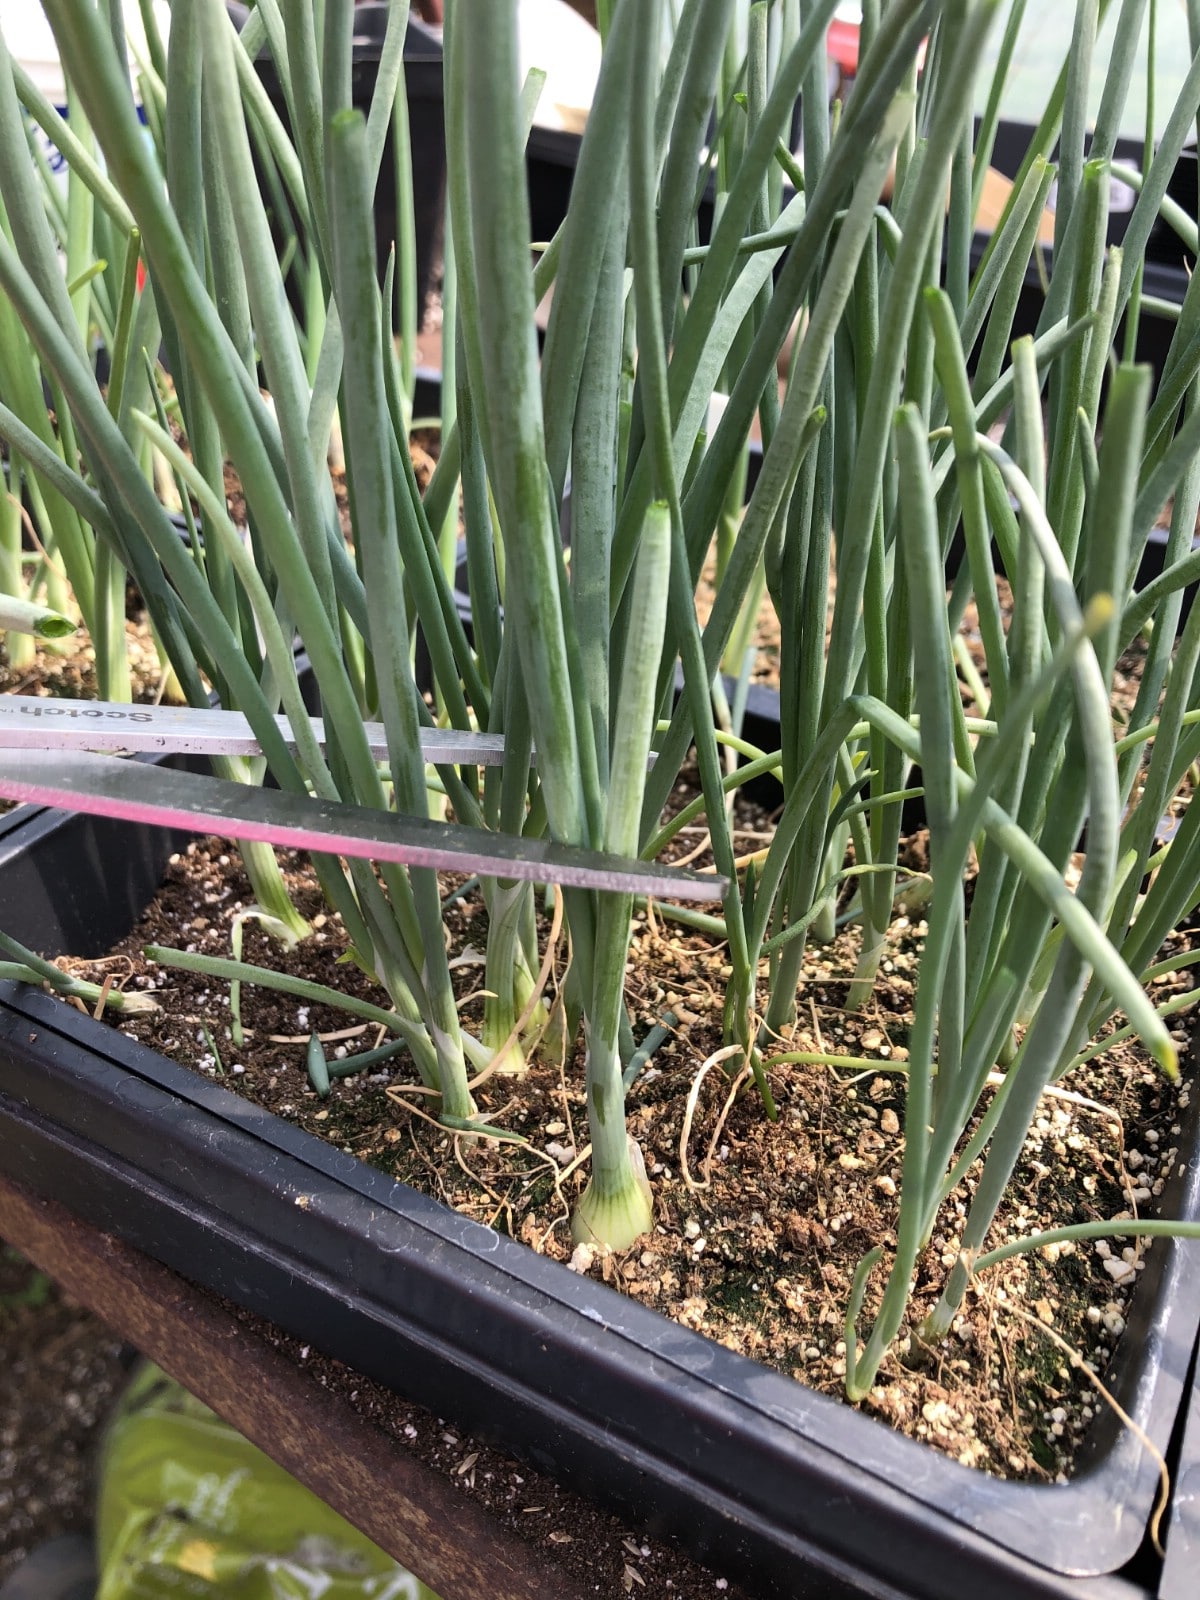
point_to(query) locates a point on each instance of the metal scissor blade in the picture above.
(31, 723)
(109, 787)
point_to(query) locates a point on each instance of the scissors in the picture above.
(58, 752)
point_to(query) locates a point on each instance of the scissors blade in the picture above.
(107, 786)
(34, 723)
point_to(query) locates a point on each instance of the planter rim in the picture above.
(1183, 1534)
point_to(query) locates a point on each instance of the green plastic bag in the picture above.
(189, 1510)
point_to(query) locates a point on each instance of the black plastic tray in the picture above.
(1166, 270)
(1179, 1578)
(427, 134)
(80, 905)
(85, 902)
(788, 1491)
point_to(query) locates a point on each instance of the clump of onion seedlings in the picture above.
(879, 451)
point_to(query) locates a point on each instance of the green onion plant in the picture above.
(913, 456)
(85, 255)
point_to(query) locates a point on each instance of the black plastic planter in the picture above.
(786, 1490)
(78, 903)
(1166, 269)
(427, 134)
(551, 156)
(74, 884)
(1183, 1533)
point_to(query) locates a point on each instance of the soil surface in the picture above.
(608, 1556)
(70, 670)
(759, 1225)
(61, 1370)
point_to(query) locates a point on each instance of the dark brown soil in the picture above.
(610, 1557)
(759, 1226)
(60, 1372)
(70, 672)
